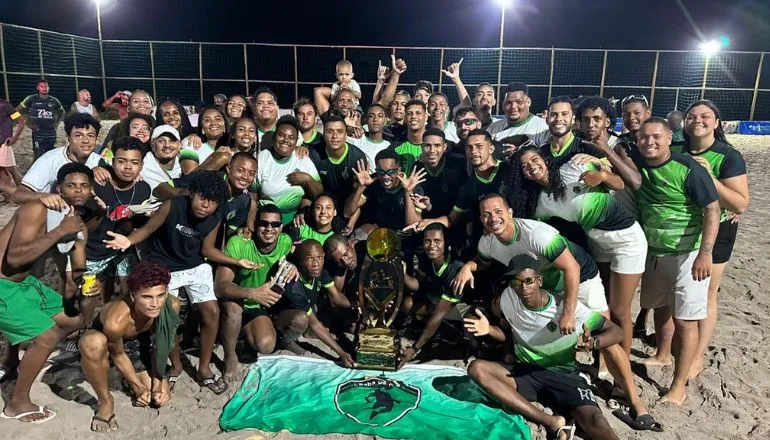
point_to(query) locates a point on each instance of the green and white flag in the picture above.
(315, 396)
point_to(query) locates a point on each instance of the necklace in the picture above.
(130, 200)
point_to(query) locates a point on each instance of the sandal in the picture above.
(172, 380)
(217, 385)
(645, 422)
(566, 429)
(112, 425)
(40, 410)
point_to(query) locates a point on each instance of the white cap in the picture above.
(165, 128)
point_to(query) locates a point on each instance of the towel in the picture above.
(163, 338)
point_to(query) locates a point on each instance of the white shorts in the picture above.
(625, 250)
(197, 282)
(667, 282)
(591, 294)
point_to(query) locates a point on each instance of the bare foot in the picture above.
(655, 361)
(673, 398)
(558, 423)
(104, 419)
(232, 371)
(696, 369)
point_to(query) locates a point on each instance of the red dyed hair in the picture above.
(147, 274)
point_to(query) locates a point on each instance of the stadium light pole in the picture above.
(708, 48)
(101, 47)
(503, 4)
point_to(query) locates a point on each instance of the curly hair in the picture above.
(597, 102)
(80, 120)
(209, 185)
(124, 127)
(186, 128)
(147, 274)
(521, 193)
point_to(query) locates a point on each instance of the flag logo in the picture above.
(376, 401)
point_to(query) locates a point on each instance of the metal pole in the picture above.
(101, 48)
(500, 58)
(676, 100)
(705, 76)
(655, 80)
(756, 86)
(550, 77)
(75, 65)
(604, 73)
(200, 68)
(40, 52)
(440, 66)
(152, 71)
(296, 76)
(344, 53)
(246, 67)
(2, 59)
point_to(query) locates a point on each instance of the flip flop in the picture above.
(217, 385)
(40, 410)
(172, 380)
(108, 422)
(6, 374)
(567, 429)
(645, 422)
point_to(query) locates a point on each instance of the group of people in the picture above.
(532, 233)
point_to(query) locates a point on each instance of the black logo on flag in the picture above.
(376, 401)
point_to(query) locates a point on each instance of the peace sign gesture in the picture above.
(453, 71)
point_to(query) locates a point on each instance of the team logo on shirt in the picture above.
(551, 326)
(376, 401)
(187, 231)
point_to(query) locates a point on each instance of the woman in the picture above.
(705, 141)
(576, 192)
(213, 129)
(238, 107)
(139, 102)
(282, 176)
(172, 113)
(321, 223)
(136, 125)
(243, 135)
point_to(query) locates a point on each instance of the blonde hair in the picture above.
(344, 63)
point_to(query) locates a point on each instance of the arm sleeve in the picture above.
(733, 165)
(548, 242)
(325, 279)
(40, 176)
(306, 165)
(446, 288)
(353, 85)
(464, 199)
(189, 153)
(699, 186)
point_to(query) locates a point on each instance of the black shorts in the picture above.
(43, 145)
(250, 314)
(723, 245)
(562, 392)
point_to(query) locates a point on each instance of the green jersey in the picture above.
(671, 201)
(239, 247)
(409, 153)
(305, 232)
(725, 161)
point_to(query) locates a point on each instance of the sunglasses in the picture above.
(265, 224)
(468, 122)
(635, 98)
(526, 281)
(391, 172)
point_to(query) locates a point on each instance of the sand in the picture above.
(729, 400)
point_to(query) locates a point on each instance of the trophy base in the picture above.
(377, 349)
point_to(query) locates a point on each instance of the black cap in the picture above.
(521, 262)
(425, 85)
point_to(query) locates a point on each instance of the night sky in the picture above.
(640, 24)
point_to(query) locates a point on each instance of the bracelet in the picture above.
(416, 350)
(595, 343)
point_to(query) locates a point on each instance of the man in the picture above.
(396, 131)
(239, 210)
(117, 195)
(675, 121)
(409, 151)
(220, 100)
(8, 137)
(82, 133)
(306, 114)
(122, 105)
(596, 117)
(265, 115)
(243, 293)
(31, 311)
(43, 113)
(679, 209)
(518, 119)
(83, 105)
(373, 142)
(166, 157)
(438, 109)
(422, 91)
(181, 233)
(484, 100)
(346, 257)
(337, 162)
(467, 119)
(636, 110)
(545, 369)
(147, 314)
(444, 176)
(390, 198)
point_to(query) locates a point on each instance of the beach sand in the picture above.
(729, 400)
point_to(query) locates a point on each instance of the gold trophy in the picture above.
(380, 291)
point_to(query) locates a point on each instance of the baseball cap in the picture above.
(521, 262)
(165, 129)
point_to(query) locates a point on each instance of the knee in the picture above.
(231, 311)
(93, 345)
(592, 421)
(264, 344)
(298, 323)
(478, 370)
(209, 311)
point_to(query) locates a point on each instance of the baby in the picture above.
(344, 74)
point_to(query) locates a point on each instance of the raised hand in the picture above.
(399, 65)
(363, 173)
(383, 72)
(417, 177)
(453, 71)
(421, 202)
(478, 326)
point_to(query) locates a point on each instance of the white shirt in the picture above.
(154, 174)
(534, 126)
(85, 108)
(450, 132)
(271, 180)
(369, 147)
(41, 177)
(202, 153)
(534, 238)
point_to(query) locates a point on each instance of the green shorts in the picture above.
(26, 309)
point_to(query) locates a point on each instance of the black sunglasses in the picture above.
(265, 224)
(391, 172)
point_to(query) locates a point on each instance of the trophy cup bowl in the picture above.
(380, 291)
